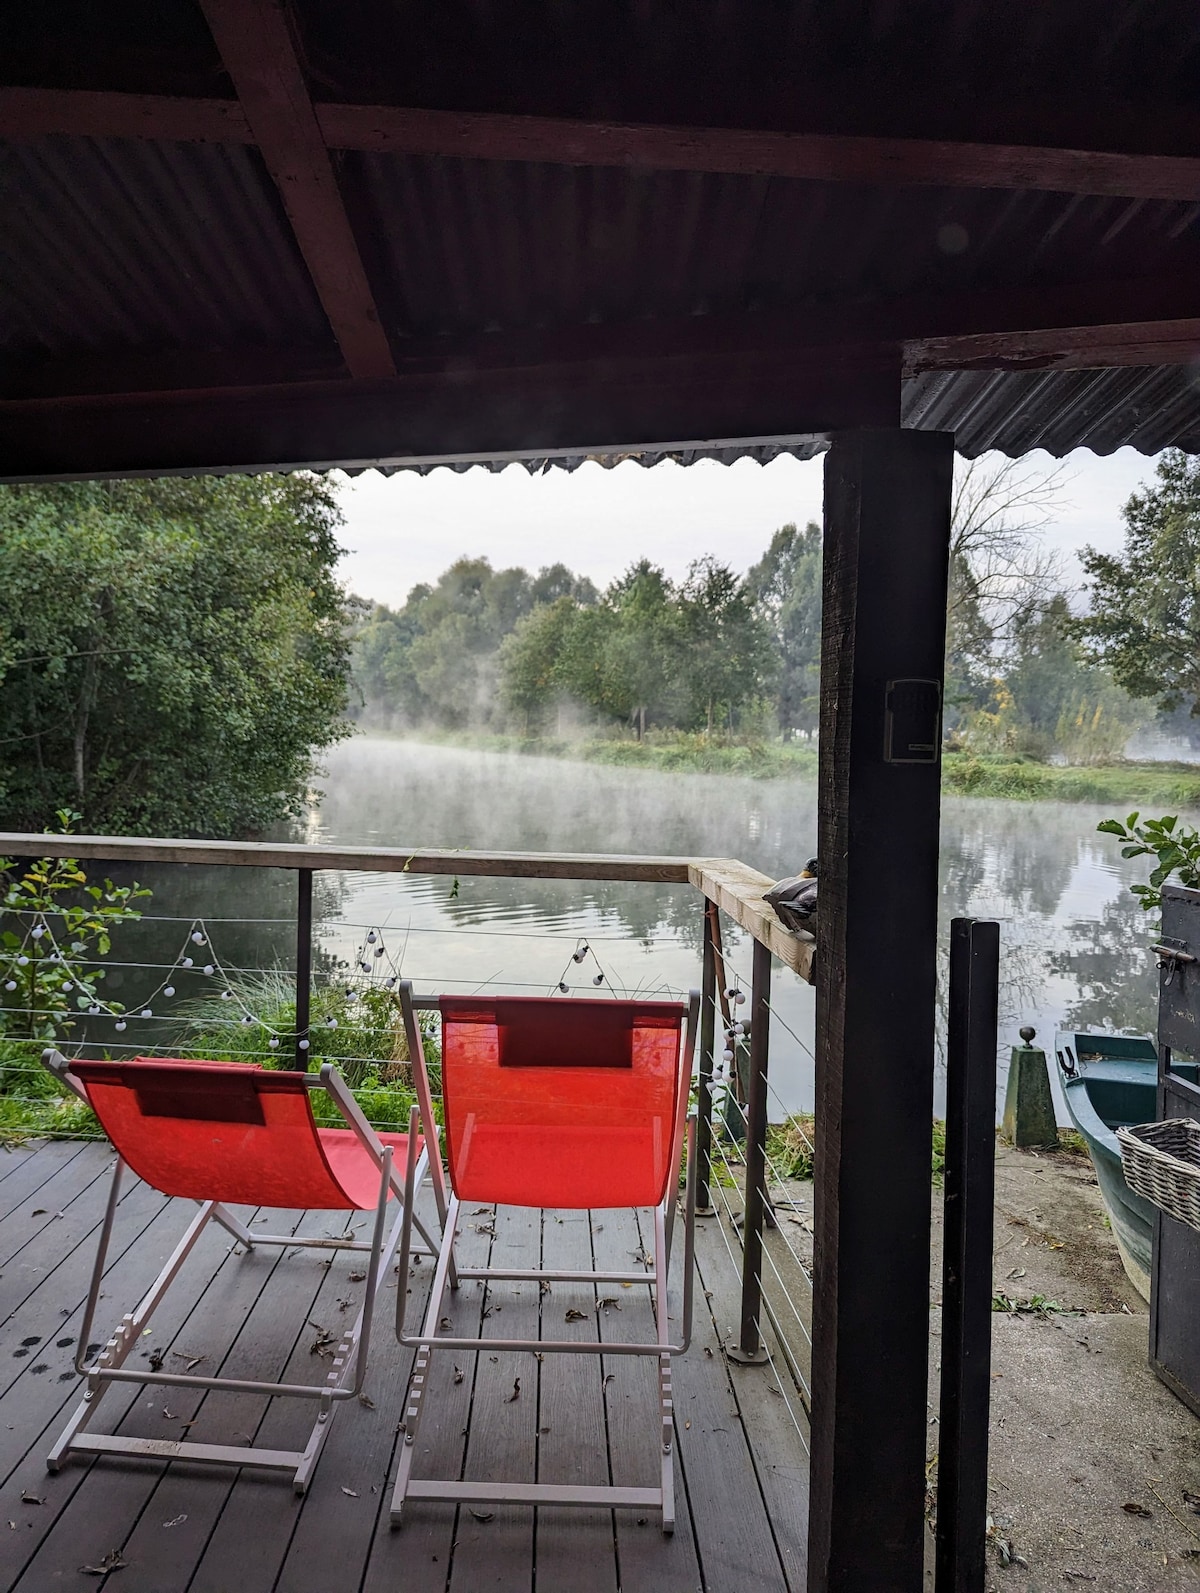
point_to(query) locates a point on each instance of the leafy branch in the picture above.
(1175, 846)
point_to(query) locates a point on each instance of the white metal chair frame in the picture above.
(349, 1364)
(429, 1339)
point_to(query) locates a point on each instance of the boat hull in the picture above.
(1115, 1086)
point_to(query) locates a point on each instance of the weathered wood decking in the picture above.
(178, 1528)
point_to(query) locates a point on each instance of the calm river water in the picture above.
(1073, 938)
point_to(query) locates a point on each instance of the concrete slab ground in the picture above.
(1092, 1461)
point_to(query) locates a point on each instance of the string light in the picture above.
(197, 938)
(169, 990)
(120, 1025)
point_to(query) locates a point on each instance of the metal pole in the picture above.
(748, 1350)
(967, 1262)
(304, 883)
(708, 1029)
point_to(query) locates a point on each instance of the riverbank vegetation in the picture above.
(172, 653)
(720, 673)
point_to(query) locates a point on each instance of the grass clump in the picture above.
(1172, 785)
(32, 1101)
(365, 1040)
(791, 1147)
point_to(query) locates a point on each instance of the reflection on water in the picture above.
(1073, 939)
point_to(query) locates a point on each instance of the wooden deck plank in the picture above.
(770, 1418)
(34, 1338)
(74, 1222)
(35, 1170)
(41, 1208)
(15, 1153)
(648, 1561)
(106, 1506)
(276, 1331)
(248, 1533)
(733, 1531)
(574, 1548)
(23, 1405)
(336, 1529)
(502, 1446)
(417, 1557)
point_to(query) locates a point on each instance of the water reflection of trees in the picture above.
(1109, 961)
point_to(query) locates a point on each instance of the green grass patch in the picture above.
(1168, 785)
(791, 1147)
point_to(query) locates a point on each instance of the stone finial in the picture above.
(1029, 1035)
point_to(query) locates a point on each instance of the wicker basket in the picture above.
(1162, 1163)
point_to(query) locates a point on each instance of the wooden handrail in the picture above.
(735, 887)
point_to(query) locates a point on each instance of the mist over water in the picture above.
(1073, 940)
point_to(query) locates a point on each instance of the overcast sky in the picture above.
(408, 528)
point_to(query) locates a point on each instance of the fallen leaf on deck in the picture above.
(357, 1277)
(321, 1345)
(575, 1316)
(175, 1521)
(516, 1393)
(1132, 1508)
(350, 1493)
(157, 1357)
(30, 1498)
(458, 1374)
(40, 1212)
(114, 1560)
(445, 1323)
(168, 1415)
(365, 1399)
(484, 1515)
(609, 1302)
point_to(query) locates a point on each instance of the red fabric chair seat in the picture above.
(229, 1132)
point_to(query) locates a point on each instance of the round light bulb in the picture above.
(120, 1025)
(169, 991)
(187, 963)
(563, 986)
(331, 1023)
(197, 938)
(391, 983)
(227, 995)
(10, 984)
(739, 998)
(598, 979)
(372, 938)
(38, 931)
(146, 1012)
(66, 984)
(379, 951)
(246, 1022)
(209, 969)
(303, 1044)
(22, 962)
(273, 1043)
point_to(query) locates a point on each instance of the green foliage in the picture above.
(33, 1102)
(435, 660)
(966, 774)
(791, 1147)
(1145, 602)
(53, 926)
(1174, 846)
(785, 586)
(367, 1045)
(171, 651)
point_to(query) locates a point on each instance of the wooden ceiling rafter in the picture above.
(255, 45)
(301, 151)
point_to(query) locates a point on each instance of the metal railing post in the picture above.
(304, 882)
(748, 1350)
(704, 1100)
(967, 1262)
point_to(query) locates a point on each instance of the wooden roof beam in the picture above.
(256, 47)
(815, 157)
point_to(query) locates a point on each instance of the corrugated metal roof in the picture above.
(117, 245)
(1148, 408)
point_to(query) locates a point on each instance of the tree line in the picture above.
(1026, 673)
(175, 654)
(504, 649)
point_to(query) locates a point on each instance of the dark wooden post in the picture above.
(708, 1032)
(970, 1197)
(887, 523)
(747, 1349)
(304, 884)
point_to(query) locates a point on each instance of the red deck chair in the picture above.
(559, 1103)
(229, 1134)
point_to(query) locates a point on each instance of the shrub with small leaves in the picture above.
(54, 928)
